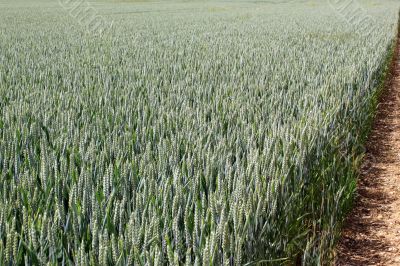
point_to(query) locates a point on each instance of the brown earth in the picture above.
(371, 234)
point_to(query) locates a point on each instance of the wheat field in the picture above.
(179, 132)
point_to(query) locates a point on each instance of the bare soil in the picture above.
(371, 234)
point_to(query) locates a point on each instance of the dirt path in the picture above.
(372, 231)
